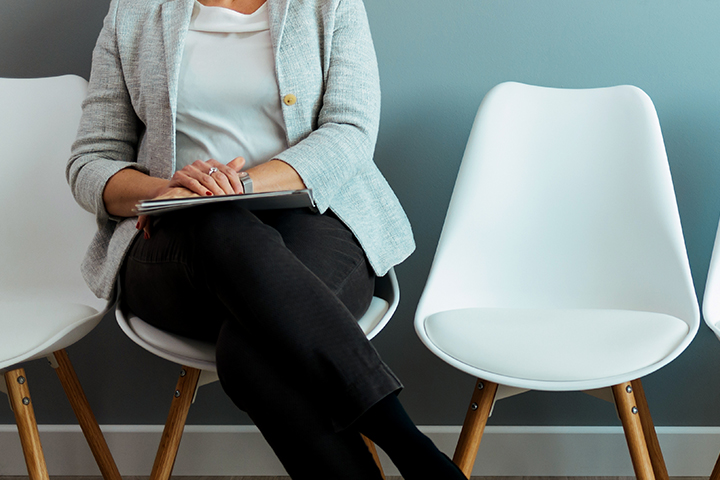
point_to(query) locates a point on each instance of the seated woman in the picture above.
(227, 97)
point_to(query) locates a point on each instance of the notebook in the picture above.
(251, 201)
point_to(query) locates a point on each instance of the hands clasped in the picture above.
(208, 178)
(199, 179)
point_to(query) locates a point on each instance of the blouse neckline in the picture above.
(225, 20)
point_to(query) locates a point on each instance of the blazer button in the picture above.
(289, 99)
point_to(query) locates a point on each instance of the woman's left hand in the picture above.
(224, 180)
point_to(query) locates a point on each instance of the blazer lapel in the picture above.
(277, 11)
(175, 18)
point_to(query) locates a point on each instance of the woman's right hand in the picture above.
(144, 222)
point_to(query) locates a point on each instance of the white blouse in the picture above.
(228, 99)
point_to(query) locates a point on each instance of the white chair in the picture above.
(711, 298)
(561, 265)
(198, 365)
(711, 309)
(43, 238)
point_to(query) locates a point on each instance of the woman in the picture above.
(231, 96)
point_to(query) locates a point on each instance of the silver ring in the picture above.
(212, 170)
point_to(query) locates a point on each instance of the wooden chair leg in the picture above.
(373, 452)
(630, 418)
(27, 426)
(85, 416)
(656, 456)
(715, 475)
(170, 440)
(474, 425)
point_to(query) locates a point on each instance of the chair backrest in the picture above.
(43, 232)
(563, 200)
(711, 298)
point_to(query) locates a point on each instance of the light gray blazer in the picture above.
(323, 55)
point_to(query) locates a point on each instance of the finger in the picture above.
(141, 222)
(144, 225)
(183, 178)
(198, 165)
(223, 181)
(226, 177)
(186, 177)
(176, 192)
(199, 171)
(177, 181)
(237, 163)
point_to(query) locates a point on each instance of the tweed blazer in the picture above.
(324, 57)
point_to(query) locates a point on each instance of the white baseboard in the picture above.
(241, 450)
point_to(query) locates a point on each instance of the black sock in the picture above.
(388, 425)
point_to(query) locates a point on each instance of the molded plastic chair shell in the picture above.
(711, 298)
(711, 309)
(561, 264)
(201, 355)
(44, 233)
(43, 236)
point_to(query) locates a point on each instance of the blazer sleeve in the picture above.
(109, 130)
(343, 143)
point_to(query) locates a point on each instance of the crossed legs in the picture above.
(279, 292)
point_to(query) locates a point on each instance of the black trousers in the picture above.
(279, 292)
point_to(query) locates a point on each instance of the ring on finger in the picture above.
(212, 170)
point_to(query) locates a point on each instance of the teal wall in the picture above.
(437, 61)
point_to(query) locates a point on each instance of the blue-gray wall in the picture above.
(437, 61)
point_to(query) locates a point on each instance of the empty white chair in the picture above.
(711, 309)
(44, 304)
(198, 364)
(561, 265)
(711, 298)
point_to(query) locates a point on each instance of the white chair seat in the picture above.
(201, 355)
(175, 348)
(35, 328)
(555, 345)
(375, 313)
